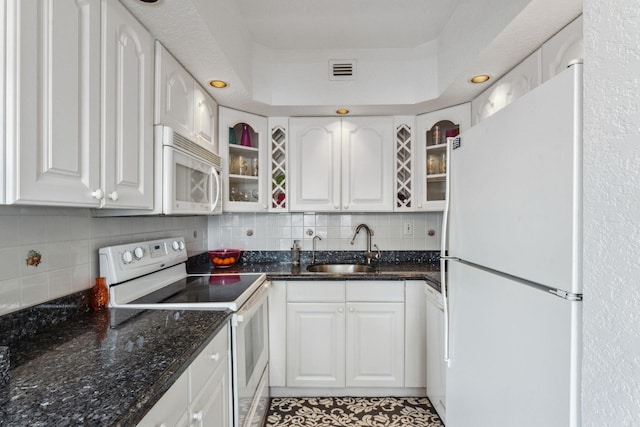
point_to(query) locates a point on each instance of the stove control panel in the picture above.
(129, 261)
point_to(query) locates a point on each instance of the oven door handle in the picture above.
(253, 303)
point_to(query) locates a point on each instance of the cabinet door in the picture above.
(171, 409)
(315, 345)
(433, 158)
(375, 344)
(205, 114)
(127, 164)
(315, 164)
(211, 407)
(53, 94)
(174, 94)
(367, 164)
(244, 168)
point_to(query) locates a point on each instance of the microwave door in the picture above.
(187, 188)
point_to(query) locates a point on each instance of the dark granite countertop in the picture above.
(83, 371)
(417, 265)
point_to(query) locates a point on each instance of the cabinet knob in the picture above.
(346, 206)
(336, 207)
(215, 357)
(98, 194)
(114, 196)
(197, 416)
(351, 309)
(420, 205)
(341, 310)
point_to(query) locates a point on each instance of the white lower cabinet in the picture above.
(344, 334)
(202, 394)
(316, 344)
(375, 344)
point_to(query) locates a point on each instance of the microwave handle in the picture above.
(216, 176)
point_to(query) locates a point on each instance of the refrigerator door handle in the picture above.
(444, 256)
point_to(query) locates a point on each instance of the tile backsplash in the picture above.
(68, 240)
(262, 231)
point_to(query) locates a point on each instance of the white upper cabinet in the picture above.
(182, 104)
(243, 147)
(52, 102)
(435, 132)
(341, 164)
(127, 110)
(315, 165)
(78, 134)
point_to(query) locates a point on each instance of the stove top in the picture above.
(152, 275)
(211, 291)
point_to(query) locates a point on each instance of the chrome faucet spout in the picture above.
(313, 253)
(368, 254)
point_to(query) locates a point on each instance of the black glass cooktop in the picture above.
(217, 288)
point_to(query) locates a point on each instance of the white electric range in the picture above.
(152, 275)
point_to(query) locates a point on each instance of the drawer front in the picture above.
(316, 291)
(171, 407)
(375, 291)
(208, 360)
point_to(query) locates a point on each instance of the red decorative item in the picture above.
(99, 295)
(245, 139)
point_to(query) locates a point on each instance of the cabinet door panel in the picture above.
(315, 345)
(56, 156)
(367, 164)
(375, 345)
(174, 103)
(127, 110)
(205, 113)
(315, 164)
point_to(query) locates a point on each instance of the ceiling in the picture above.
(411, 56)
(340, 24)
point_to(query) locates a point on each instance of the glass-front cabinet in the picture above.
(243, 147)
(436, 130)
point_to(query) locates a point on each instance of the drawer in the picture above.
(208, 360)
(316, 291)
(171, 407)
(375, 291)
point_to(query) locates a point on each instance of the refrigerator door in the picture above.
(514, 353)
(515, 196)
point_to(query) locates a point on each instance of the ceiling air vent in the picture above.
(343, 69)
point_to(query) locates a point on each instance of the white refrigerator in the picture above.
(513, 231)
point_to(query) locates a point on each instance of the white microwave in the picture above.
(187, 176)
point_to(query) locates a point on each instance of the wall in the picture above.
(277, 231)
(611, 362)
(68, 240)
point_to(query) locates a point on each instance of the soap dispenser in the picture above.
(295, 252)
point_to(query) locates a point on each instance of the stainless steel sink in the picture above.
(341, 268)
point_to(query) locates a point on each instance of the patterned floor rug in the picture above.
(352, 412)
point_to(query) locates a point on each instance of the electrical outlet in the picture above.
(408, 228)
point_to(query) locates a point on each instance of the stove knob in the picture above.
(138, 252)
(127, 257)
(181, 245)
(175, 245)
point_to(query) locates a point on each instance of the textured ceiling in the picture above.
(339, 24)
(275, 53)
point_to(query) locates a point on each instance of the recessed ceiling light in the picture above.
(342, 111)
(480, 78)
(218, 84)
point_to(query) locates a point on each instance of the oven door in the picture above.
(251, 345)
(190, 185)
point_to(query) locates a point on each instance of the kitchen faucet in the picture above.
(313, 253)
(368, 255)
